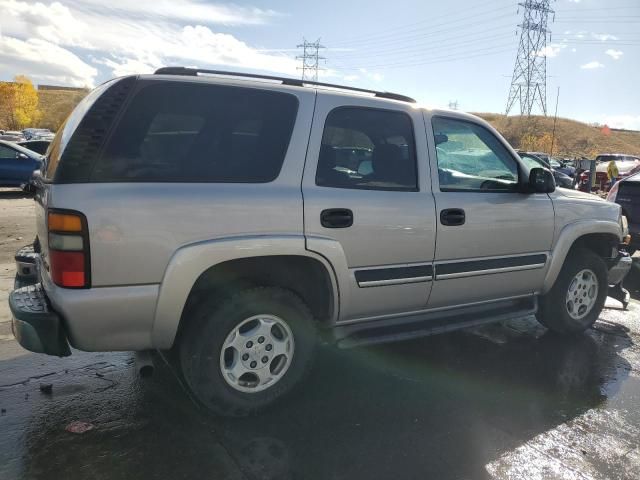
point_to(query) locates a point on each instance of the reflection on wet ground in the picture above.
(505, 401)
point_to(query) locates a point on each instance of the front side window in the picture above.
(7, 153)
(185, 132)
(471, 158)
(365, 148)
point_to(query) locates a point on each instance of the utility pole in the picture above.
(310, 59)
(555, 120)
(529, 80)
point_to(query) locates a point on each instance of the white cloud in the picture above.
(603, 37)
(627, 122)
(551, 51)
(44, 62)
(592, 65)
(376, 77)
(574, 1)
(128, 37)
(615, 54)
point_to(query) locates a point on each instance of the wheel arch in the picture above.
(599, 236)
(222, 265)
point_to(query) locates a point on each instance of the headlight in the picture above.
(624, 225)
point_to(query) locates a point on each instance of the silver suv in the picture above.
(236, 220)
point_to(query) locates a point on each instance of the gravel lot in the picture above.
(504, 401)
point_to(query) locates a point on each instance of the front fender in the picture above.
(568, 236)
(191, 261)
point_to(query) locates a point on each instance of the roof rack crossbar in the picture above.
(284, 80)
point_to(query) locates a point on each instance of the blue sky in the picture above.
(435, 51)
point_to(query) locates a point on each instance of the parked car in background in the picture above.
(533, 161)
(17, 165)
(626, 193)
(269, 214)
(38, 134)
(12, 136)
(38, 146)
(627, 165)
(563, 167)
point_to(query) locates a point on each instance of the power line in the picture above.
(529, 80)
(310, 59)
(385, 32)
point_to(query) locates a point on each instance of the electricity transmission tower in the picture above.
(453, 105)
(529, 81)
(310, 59)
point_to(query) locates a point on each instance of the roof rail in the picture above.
(285, 81)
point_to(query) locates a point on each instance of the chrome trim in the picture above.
(392, 265)
(494, 257)
(491, 271)
(394, 281)
(429, 310)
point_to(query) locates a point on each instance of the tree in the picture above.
(18, 104)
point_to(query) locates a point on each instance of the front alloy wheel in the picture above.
(576, 299)
(582, 294)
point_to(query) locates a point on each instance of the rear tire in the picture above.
(241, 354)
(576, 300)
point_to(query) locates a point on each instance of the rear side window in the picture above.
(365, 148)
(185, 132)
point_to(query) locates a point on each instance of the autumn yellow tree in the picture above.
(18, 104)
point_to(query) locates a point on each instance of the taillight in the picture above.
(68, 249)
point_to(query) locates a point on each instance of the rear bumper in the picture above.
(36, 326)
(619, 268)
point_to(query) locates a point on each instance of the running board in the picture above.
(431, 323)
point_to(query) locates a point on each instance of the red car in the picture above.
(627, 165)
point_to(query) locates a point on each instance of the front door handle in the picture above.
(452, 217)
(336, 218)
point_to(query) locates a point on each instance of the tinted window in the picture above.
(7, 153)
(472, 158)
(185, 132)
(365, 148)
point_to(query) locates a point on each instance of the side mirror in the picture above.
(441, 138)
(541, 181)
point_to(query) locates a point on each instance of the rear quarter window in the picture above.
(187, 132)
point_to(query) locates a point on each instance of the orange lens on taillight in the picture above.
(64, 222)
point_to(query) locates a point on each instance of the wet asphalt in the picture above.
(503, 401)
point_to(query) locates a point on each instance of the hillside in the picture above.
(56, 105)
(573, 139)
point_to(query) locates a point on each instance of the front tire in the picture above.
(241, 354)
(577, 298)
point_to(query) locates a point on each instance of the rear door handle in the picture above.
(452, 217)
(336, 218)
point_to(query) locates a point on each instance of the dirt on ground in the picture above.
(17, 228)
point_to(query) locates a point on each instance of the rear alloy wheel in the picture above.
(241, 354)
(257, 353)
(576, 299)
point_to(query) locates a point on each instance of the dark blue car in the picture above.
(626, 193)
(17, 165)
